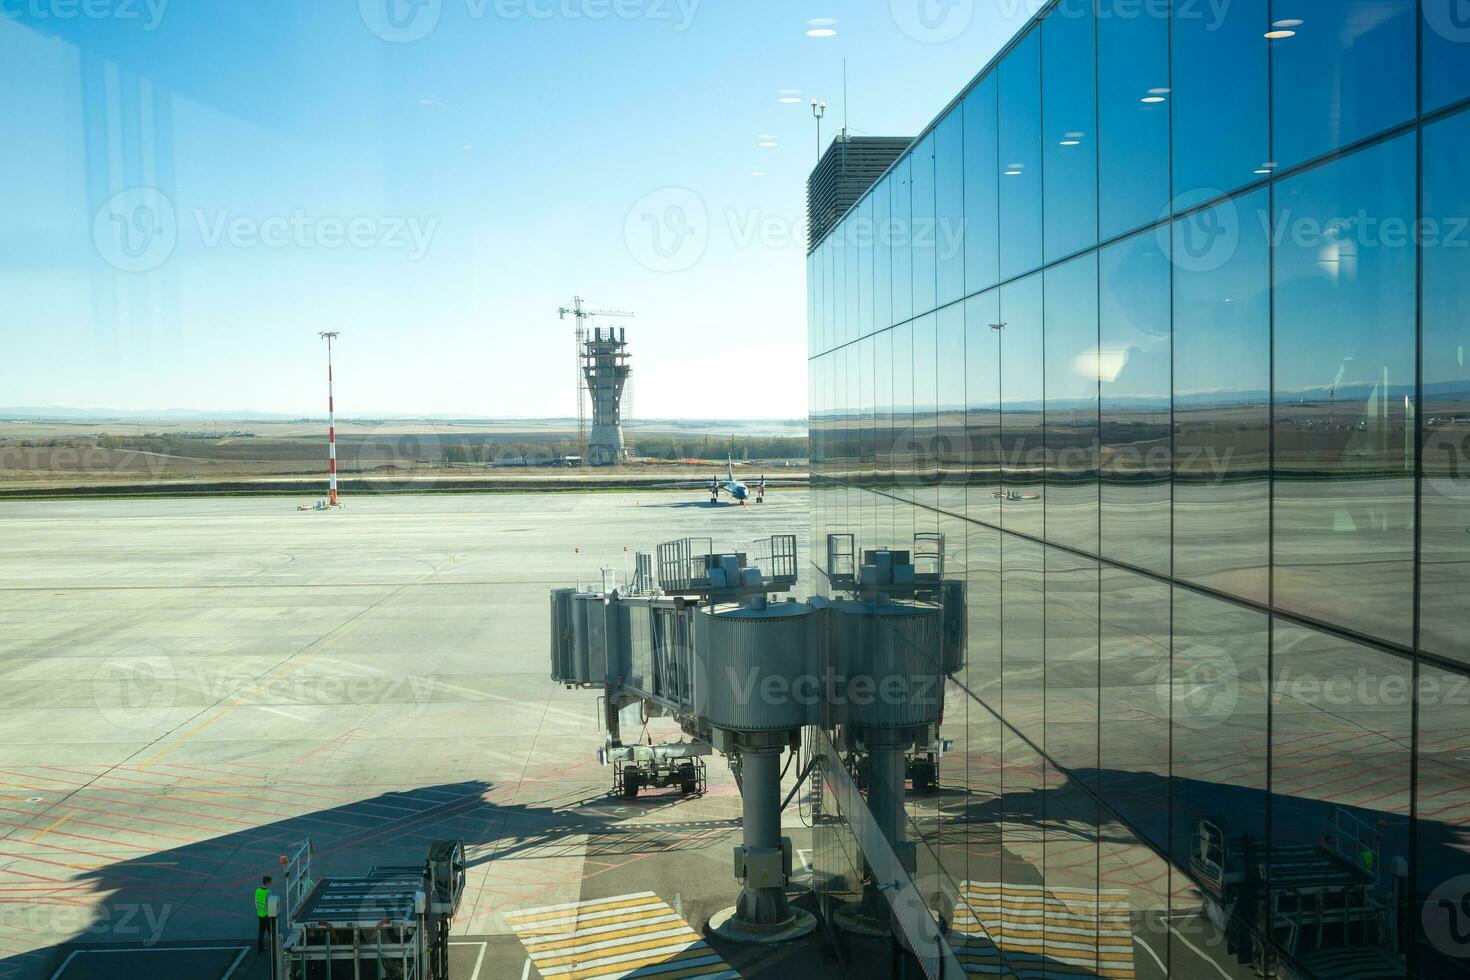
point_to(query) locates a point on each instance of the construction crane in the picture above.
(582, 314)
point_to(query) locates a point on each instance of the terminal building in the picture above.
(1161, 325)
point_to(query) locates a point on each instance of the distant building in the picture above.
(605, 369)
(849, 167)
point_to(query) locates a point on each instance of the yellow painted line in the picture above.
(52, 826)
(552, 946)
(637, 932)
(680, 939)
(517, 920)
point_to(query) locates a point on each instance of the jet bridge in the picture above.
(743, 671)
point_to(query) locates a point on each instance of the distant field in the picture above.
(98, 454)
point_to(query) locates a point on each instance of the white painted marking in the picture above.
(242, 950)
(231, 971)
(1149, 950)
(802, 853)
(526, 970)
(1200, 953)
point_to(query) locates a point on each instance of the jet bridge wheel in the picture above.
(632, 781)
(688, 779)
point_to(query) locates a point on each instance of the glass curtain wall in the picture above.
(1167, 337)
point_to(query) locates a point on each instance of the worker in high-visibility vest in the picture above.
(262, 913)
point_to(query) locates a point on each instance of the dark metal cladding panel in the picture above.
(754, 673)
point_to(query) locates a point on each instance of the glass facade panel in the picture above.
(949, 196)
(1446, 33)
(1132, 117)
(882, 254)
(1133, 720)
(952, 458)
(901, 231)
(983, 407)
(1338, 73)
(1023, 453)
(1020, 157)
(1442, 889)
(1194, 486)
(1222, 392)
(981, 181)
(1069, 130)
(1071, 375)
(1071, 664)
(924, 234)
(1134, 367)
(1221, 132)
(1345, 369)
(1445, 488)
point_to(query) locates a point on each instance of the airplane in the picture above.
(735, 488)
(1015, 495)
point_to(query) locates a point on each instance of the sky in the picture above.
(194, 189)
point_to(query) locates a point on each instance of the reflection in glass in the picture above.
(1069, 130)
(1222, 390)
(982, 186)
(1023, 454)
(949, 207)
(883, 416)
(1023, 613)
(1444, 575)
(1338, 73)
(924, 435)
(952, 459)
(1134, 367)
(901, 233)
(862, 220)
(1071, 354)
(982, 413)
(1221, 136)
(1446, 31)
(1071, 652)
(882, 255)
(1345, 387)
(1020, 157)
(1443, 844)
(983, 604)
(1133, 118)
(1216, 700)
(1340, 773)
(902, 418)
(1133, 723)
(923, 235)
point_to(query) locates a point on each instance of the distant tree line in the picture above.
(654, 447)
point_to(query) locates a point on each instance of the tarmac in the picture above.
(192, 687)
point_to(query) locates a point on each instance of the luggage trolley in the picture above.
(390, 924)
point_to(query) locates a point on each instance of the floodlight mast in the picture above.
(819, 109)
(329, 336)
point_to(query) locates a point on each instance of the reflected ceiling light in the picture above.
(1155, 95)
(789, 96)
(1278, 31)
(1291, 22)
(757, 173)
(821, 27)
(1070, 142)
(767, 142)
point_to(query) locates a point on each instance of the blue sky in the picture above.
(200, 187)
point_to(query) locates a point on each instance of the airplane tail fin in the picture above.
(730, 468)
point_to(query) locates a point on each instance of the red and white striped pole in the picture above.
(329, 336)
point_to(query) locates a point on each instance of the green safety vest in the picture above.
(262, 901)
